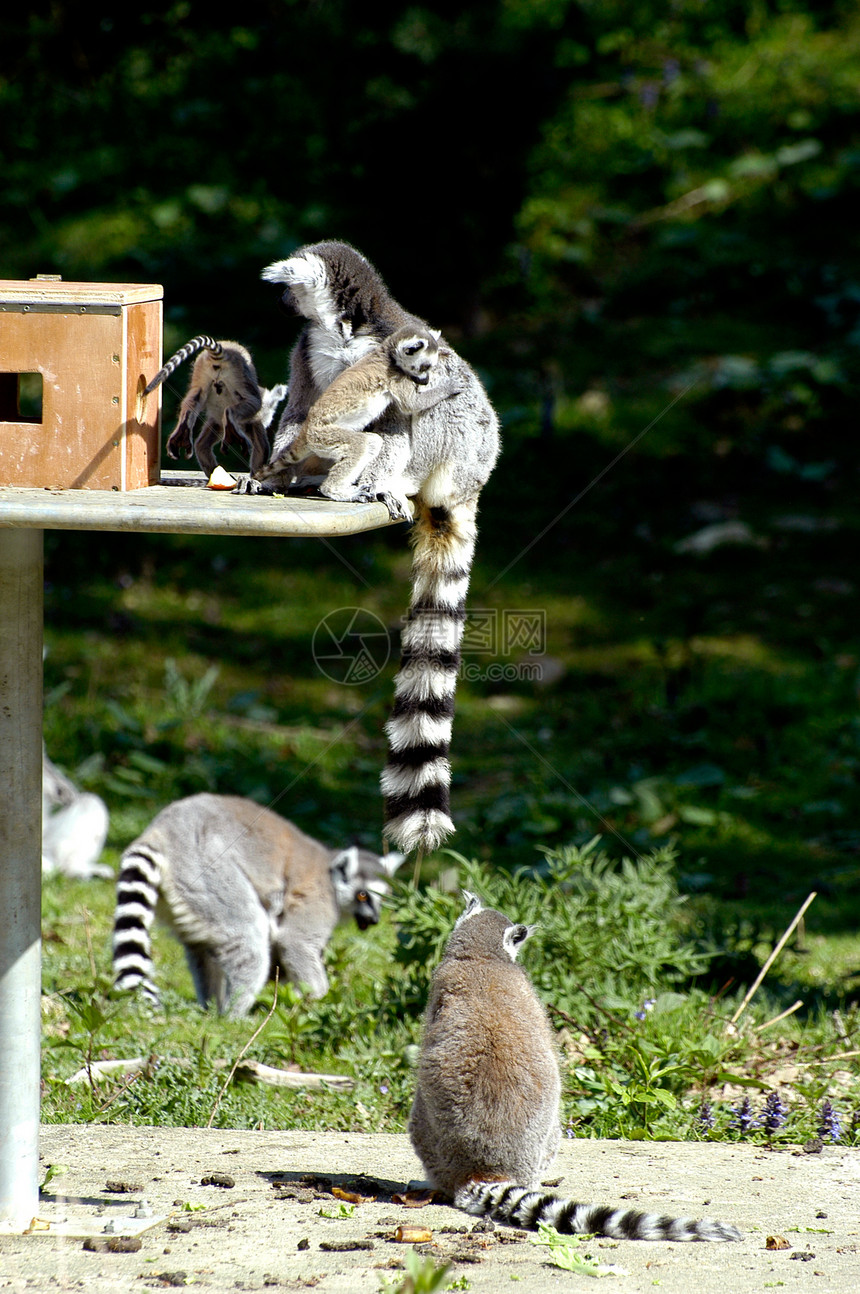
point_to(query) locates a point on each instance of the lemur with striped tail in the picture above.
(245, 891)
(485, 1118)
(439, 458)
(224, 391)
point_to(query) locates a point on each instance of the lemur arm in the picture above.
(412, 397)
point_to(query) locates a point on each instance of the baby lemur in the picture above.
(400, 371)
(485, 1119)
(225, 392)
(244, 890)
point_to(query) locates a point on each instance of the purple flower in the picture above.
(647, 1005)
(705, 1116)
(383, 1087)
(743, 1118)
(829, 1124)
(774, 1113)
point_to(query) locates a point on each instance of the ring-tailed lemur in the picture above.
(400, 371)
(244, 890)
(485, 1119)
(224, 390)
(440, 458)
(74, 826)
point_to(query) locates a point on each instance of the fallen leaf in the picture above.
(352, 1197)
(412, 1200)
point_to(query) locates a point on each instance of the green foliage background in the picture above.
(639, 222)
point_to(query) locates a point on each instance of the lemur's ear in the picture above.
(473, 905)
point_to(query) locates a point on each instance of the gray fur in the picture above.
(244, 890)
(74, 826)
(440, 458)
(485, 1118)
(225, 393)
(402, 371)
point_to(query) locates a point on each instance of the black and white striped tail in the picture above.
(524, 1208)
(136, 897)
(202, 342)
(416, 779)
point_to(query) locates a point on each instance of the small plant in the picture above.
(743, 1117)
(342, 1211)
(187, 698)
(89, 1016)
(774, 1115)
(423, 1277)
(564, 1252)
(705, 1117)
(52, 1171)
(830, 1125)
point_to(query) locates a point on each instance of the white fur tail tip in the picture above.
(423, 829)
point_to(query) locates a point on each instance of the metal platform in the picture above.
(182, 505)
(177, 508)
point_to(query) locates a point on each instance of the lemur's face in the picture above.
(417, 357)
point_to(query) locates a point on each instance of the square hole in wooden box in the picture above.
(74, 360)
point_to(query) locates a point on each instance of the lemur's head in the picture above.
(415, 351)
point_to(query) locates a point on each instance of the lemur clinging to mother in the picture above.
(440, 458)
(400, 371)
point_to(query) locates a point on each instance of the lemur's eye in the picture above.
(361, 896)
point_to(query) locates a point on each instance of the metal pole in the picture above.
(20, 872)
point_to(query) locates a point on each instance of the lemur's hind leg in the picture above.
(250, 433)
(204, 445)
(179, 440)
(385, 478)
(351, 452)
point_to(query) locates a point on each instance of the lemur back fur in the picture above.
(485, 1118)
(439, 458)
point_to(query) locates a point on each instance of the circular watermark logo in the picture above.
(351, 646)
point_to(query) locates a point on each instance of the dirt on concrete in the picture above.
(335, 1212)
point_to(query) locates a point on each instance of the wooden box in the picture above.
(92, 348)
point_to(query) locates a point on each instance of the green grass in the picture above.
(618, 957)
(707, 705)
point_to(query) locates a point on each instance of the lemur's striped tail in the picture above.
(524, 1208)
(416, 779)
(202, 342)
(136, 896)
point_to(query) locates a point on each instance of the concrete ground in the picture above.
(283, 1225)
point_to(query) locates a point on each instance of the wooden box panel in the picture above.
(95, 346)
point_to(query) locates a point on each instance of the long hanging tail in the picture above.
(524, 1208)
(137, 889)
(202, 342)
(416, 779)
